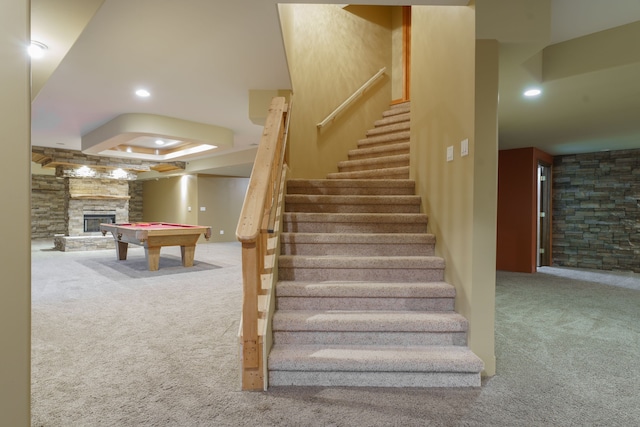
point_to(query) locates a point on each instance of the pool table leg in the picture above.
(153, 257)
(187, 253)
(121, 250)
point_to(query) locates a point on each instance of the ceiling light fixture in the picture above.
(532, 92)
(159, 142)
(143, 93)
(36, 49)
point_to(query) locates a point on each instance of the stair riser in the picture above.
(382, 141)
(351, 187)
(375, 289)
(398, 127)
(410, 304)
(397, 109)
(367, 154)
(373, 379)
(375, 166)
(352, 191)
(347, 227)
(346, 208)
(373, 274)
(367, 338)
(394, 173)
(357, 249)
(393, 119)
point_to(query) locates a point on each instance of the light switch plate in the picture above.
(464, 147)
(450, 153)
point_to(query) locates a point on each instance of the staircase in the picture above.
(361, 299)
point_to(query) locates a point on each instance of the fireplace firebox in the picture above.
(92, 221)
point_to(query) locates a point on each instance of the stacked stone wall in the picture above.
(135, 202)
(596, 210)
(47, 206)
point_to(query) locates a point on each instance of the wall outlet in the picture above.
(464, 147)
(450, 153)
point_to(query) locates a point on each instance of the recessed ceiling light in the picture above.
(159, 142)
(143, 93)
(532, 92)
(36, 49)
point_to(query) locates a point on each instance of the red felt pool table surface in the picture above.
(153, 235)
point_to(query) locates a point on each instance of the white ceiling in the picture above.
(200, 59)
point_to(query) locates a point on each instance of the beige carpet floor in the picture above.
(116, 345)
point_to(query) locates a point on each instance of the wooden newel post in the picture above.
(252, 372)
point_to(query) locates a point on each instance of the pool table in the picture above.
(153, 235)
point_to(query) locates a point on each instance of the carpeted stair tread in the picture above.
(353, 204)
(356, 200)
(361, 268)
(388, 173)
(362, 238)
(358, 244)
(374, 358)
(396, 127)
(398, 108)
(351, 186)
(379, 151)
(364, 303)
(305, 222)
(361, 262)
(368, 321)
(365, 289)
(392, 119)
(389, 138)
(384, 162)
(408, 218)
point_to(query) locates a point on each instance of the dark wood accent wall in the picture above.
(517, 208)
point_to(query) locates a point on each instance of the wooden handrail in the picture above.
(352, 98)
(253, 232)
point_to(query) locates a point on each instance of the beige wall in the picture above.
(222, 197)
(485, 203)
(15, 178)
(442, 115)
(169, 200)
(331, 52)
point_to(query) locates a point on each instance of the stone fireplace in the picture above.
(87, 190)
(90, 201)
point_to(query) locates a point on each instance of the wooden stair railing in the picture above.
(258, 228)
